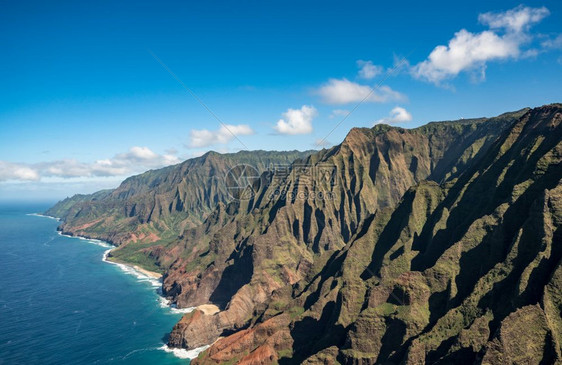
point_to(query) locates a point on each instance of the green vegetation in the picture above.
(440, 244)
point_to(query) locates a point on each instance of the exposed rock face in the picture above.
(195, 330)
(467, 271)
(286, 234)
(147, 212)
(436, 244)
(516, 343)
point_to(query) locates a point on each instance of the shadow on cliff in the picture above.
(234, 276)
(312, 335)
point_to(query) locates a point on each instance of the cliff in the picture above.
(434, 244)
(151, 210)
(287, 234)
(462, 271)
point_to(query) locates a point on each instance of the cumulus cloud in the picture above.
(343, 91)
(397, 115)
(367, 70)
(199, 138)
(136, 160)
(297, 121)
(467, 51)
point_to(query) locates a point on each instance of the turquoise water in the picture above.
(60, 303)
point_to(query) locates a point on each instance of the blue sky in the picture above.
(84, 103)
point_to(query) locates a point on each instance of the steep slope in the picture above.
(293, 266)
(293, 225)
(156, 206)
(467, 270)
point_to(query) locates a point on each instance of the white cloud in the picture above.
(553, 43)
(199, 138)
(13, 171)
(322, 143)
(137, 159)
(399, 65)
(297, 121)
(140, 154)
(55, 188)
(343, 91)
(397, 115)
(468, 51)
(339, 113)
(367, 70)
(515, 20)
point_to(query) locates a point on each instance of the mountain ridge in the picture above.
(283, 261)
(367, 310)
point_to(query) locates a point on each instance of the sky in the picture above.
(93, 92)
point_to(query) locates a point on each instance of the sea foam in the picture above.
(157, 283)
(183, 353)
(44, 216)
(125, 268)
(89, 240)
(132, 271)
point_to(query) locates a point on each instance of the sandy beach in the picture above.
(151, 274)
(208, 309)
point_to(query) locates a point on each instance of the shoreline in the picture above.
(44, 216)
(156, 279)
(150, 274)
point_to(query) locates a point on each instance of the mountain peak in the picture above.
(431, 244)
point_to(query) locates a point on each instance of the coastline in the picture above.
(143, 271)
(148, 273)
(44, 216)
(152, 274)
(155, 279)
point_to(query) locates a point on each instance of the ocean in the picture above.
(60, 303)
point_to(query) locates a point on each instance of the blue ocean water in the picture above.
(61, 304)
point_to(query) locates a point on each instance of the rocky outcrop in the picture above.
(466, 271)
(148, 212)
(436, 244)
(286, 233)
